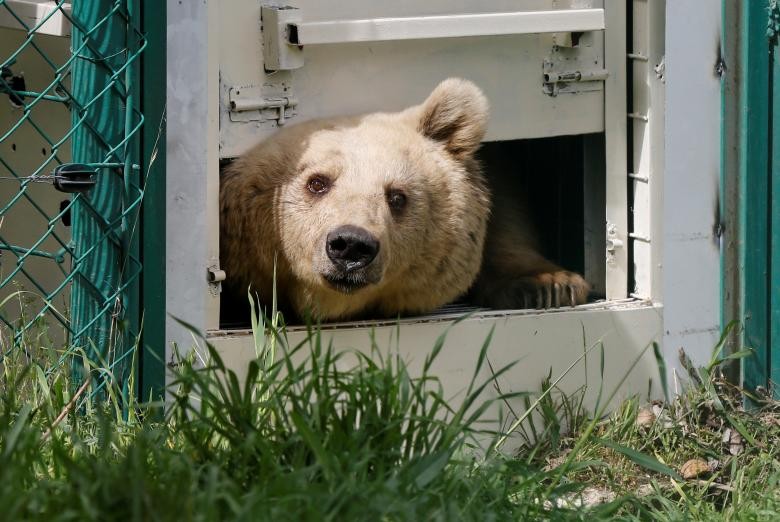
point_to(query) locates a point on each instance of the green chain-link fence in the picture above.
(70, 183)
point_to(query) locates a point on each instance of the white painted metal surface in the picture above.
(540, 344)
(616, 136)
(646, 173)
(192, 167)
(449, 26)
(353, 78)
(40, 15)
(691, 253)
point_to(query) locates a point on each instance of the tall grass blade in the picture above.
(661, 363)
(19, 424)
(541, 397)
(430, 467)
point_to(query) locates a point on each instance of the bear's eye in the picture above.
(318, 184)
(396, 199)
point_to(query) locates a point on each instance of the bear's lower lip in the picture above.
(345, 283)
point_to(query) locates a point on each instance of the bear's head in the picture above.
(381, 213)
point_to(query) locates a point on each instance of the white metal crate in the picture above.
(217, 76)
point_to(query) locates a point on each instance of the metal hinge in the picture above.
(252, 104)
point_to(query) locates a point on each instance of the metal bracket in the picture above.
(285, 33)
(279, 53)
(258, 104)
(568, 39)
(562, 71)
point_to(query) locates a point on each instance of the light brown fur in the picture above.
(430, 252)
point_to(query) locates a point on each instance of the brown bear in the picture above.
(381, 215)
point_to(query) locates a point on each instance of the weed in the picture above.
(314, 433)
(311, 434)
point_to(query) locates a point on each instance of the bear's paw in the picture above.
(551, 289)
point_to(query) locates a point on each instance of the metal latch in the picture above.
(214, 277)
(250, 104)
(557, 82)
(614, 243)
(575, 64)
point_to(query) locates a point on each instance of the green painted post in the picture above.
(96, 264)
(103, 295)
(754, 187)
(759, 148)
(152, 355)
(774, 208)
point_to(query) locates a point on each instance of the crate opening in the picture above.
(560, 182)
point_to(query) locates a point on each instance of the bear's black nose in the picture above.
(351, 248)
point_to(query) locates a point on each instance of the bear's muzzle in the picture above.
(351, 250)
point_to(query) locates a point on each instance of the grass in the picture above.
(701, 456)
(317, 434)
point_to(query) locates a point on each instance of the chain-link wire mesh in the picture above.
(69, 267)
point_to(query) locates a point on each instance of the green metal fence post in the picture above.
(104, 286)
(152, 355)
(773, 32)
(760, 174)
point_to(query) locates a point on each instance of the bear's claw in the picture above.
(553, 290)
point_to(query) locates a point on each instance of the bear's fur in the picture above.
(382, 214)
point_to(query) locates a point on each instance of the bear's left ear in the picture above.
(455, 114)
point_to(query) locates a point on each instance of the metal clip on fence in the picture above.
(74, 177)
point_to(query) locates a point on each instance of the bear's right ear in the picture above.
(455, 114)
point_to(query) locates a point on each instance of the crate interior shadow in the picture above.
(547, 174)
